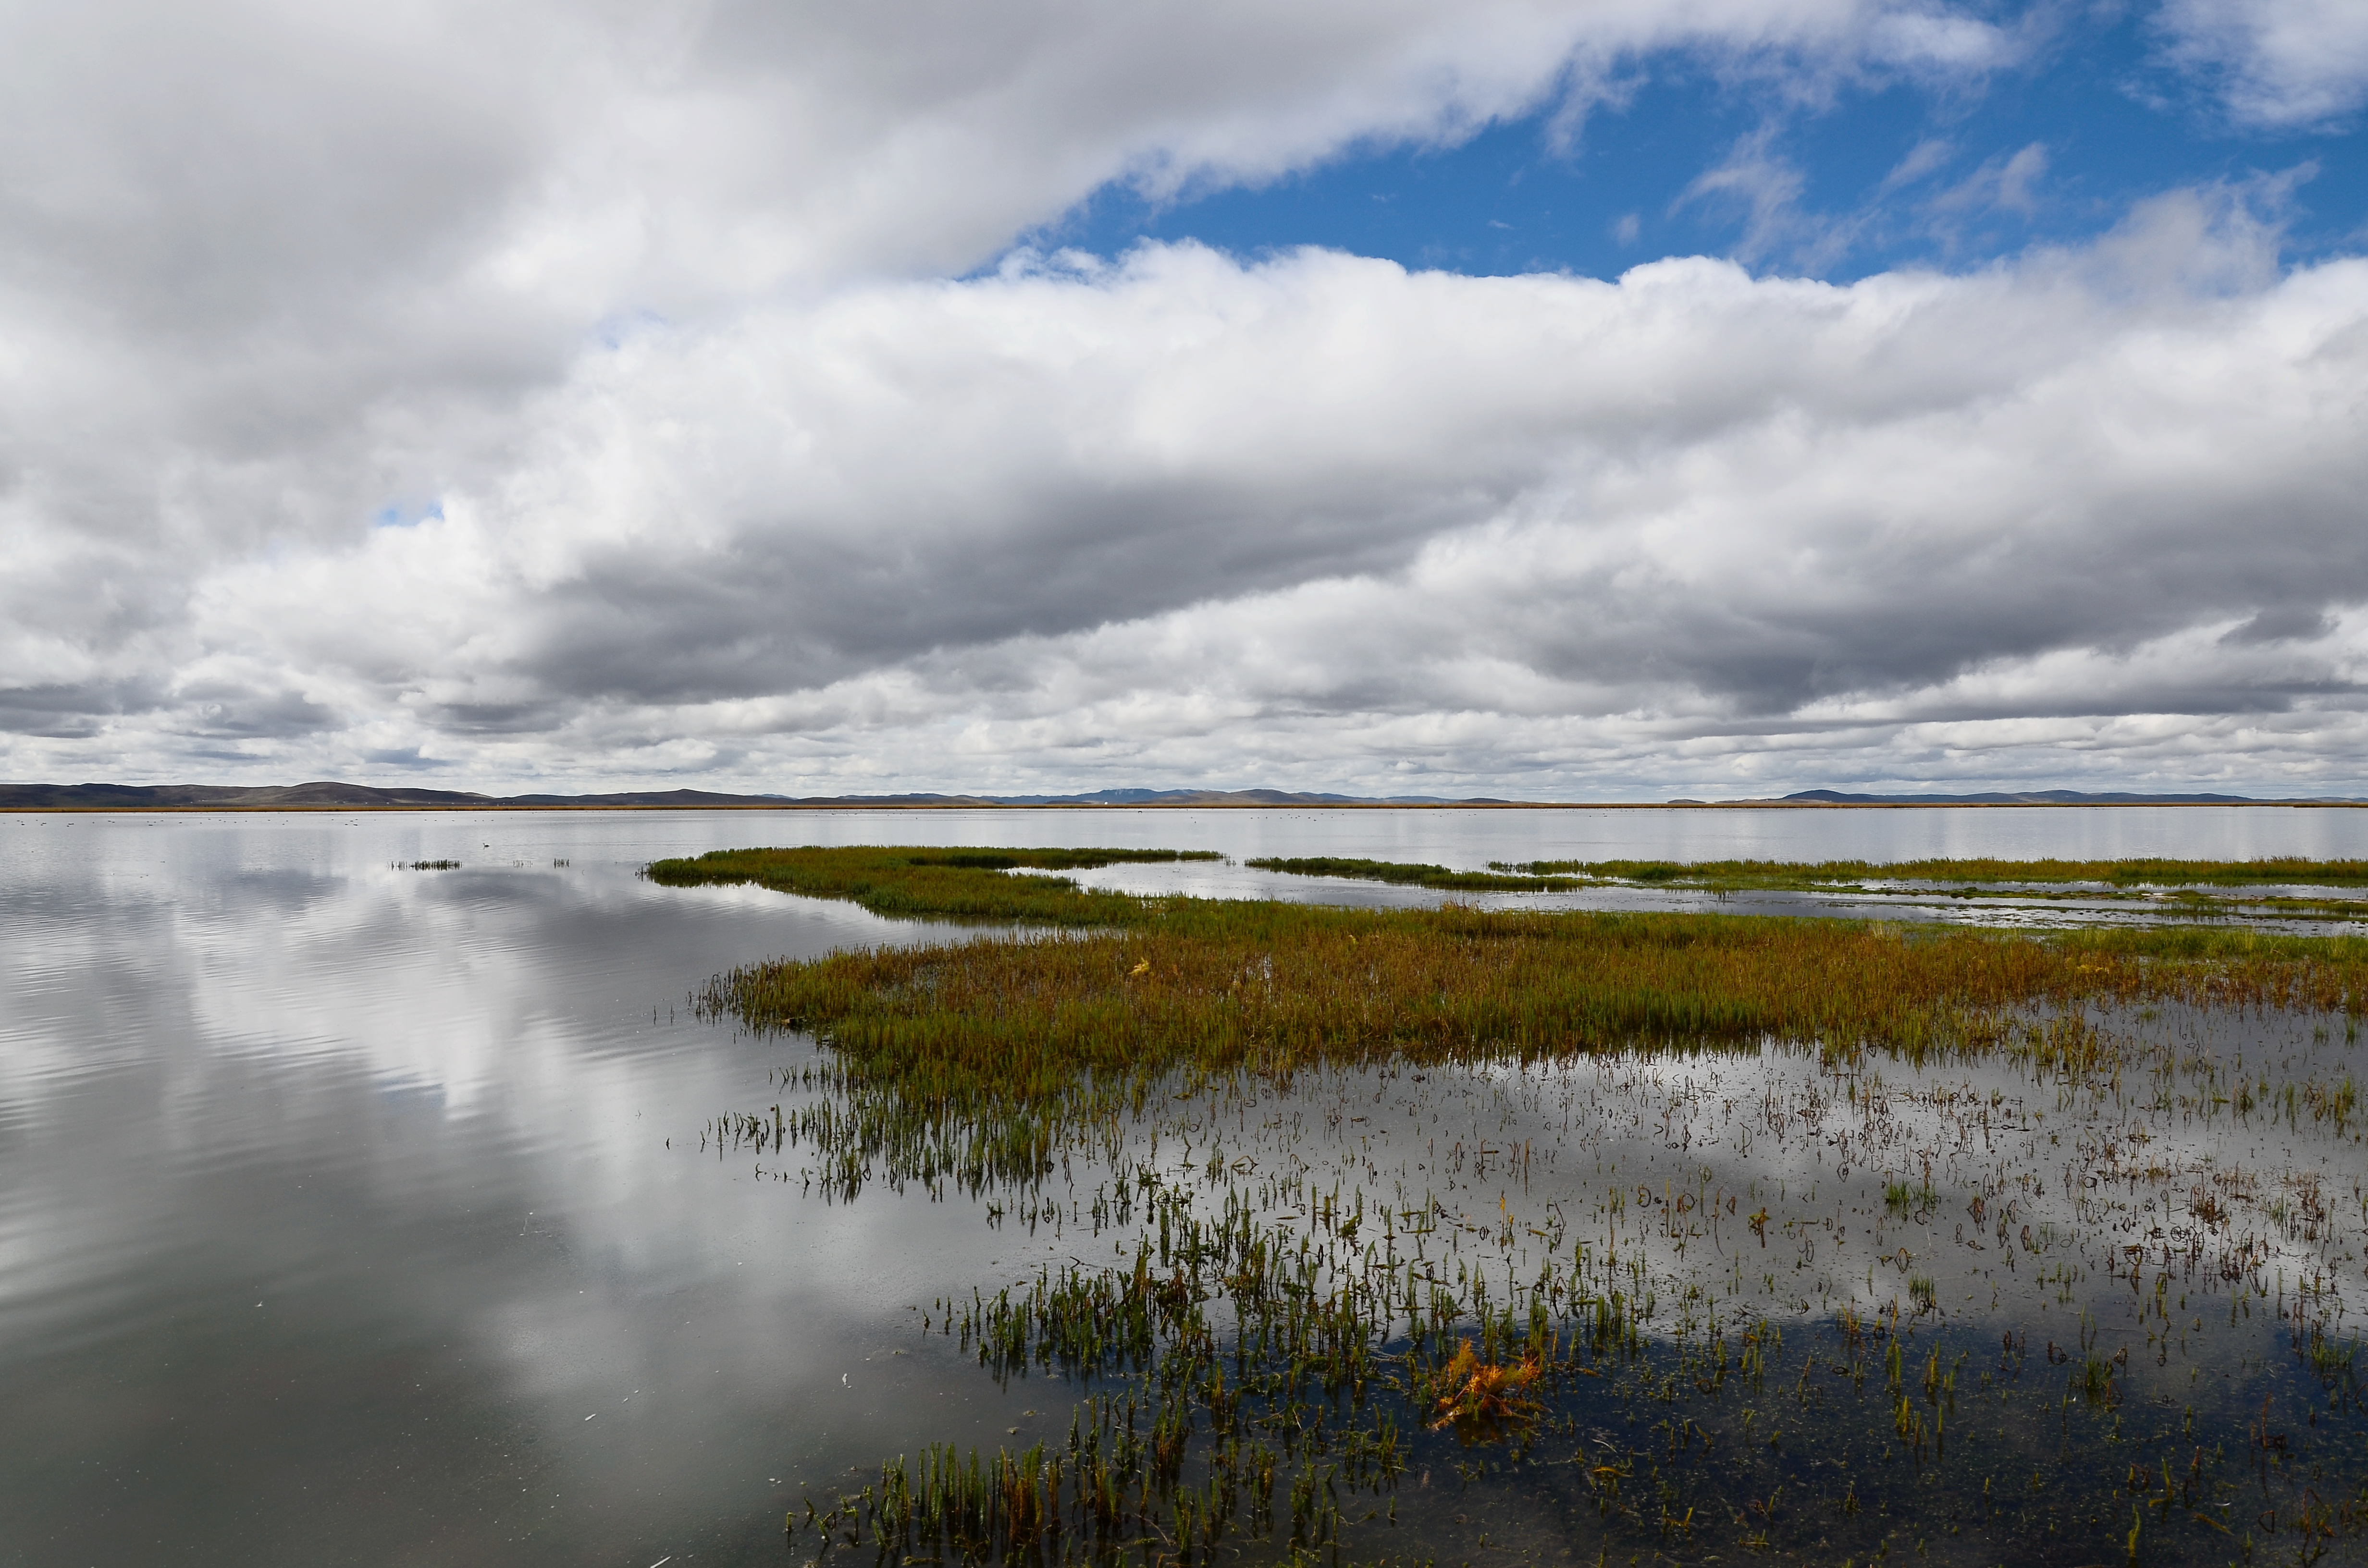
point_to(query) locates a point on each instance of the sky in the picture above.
(1613, 399)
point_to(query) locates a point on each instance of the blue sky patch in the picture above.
(407, 513)
(1834, 182)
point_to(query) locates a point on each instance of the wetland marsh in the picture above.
(351, 1212)
(1574, 1236)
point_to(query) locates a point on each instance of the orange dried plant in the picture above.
(1482, 1398)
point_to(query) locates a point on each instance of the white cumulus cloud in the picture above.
(590, 394)
(1117, 519)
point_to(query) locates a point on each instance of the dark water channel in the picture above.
(354, 1213)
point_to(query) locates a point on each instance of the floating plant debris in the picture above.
(1418, 1234)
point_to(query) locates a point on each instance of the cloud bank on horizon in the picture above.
(1603, 400)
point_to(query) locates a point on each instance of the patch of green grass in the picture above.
(1909, 1198)
(2092, 1379)
(1415, 875)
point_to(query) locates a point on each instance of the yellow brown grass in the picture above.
(1208, 987)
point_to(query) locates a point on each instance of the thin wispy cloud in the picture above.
(2273, 63)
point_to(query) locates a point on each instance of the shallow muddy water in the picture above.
(357, 1213)
(1981, 1311)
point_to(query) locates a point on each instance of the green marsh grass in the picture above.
(1909, 1198)
(1260, 1368)
(1498, 880)
(944, 884)
(978, 1058)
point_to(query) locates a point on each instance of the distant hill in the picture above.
(2033, 797)
(332, 796)
(1240, 798)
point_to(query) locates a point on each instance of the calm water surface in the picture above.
(351, 1214)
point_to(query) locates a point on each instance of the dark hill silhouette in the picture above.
(330, 795)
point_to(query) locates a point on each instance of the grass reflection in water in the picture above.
(1426, 1234)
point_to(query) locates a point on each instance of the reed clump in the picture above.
(1909, 1198)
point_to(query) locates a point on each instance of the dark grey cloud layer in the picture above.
(575, 395)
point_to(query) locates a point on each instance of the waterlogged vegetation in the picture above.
(1826, 873)
(1430, 1235)
(1729, 876)
(2268, 890)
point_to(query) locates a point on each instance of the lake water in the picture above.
(351, 1214)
